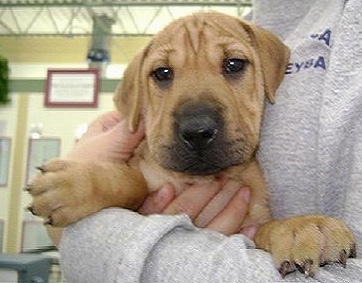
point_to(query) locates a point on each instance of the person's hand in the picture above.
(107, 139)
(221, 207)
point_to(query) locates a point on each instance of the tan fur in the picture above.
(195, 47)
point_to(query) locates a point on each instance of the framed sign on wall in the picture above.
(72, 88)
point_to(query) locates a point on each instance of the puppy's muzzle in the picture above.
(198, 128)
(200, 144)
(198, 132)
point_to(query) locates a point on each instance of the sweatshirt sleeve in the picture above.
(117, 245)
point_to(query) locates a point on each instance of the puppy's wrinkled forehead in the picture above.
(198, 31)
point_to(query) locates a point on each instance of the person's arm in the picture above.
(117, 245)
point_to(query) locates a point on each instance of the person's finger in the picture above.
(115, 144)
(103, 123)
(249, 231)
(157, 201)
(121, 134)
(110, 119)
(229, 220)
(121, 142)
(217, 203)
(192, 200)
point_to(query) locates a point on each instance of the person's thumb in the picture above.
(125, 140)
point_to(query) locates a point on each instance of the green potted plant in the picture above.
(4, 80)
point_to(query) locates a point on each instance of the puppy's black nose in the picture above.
(198, 126)
(198, 132)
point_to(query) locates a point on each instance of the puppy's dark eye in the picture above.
(234, 66)
(162, 74)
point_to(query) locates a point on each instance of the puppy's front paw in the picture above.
(62, 192)
(306, 242)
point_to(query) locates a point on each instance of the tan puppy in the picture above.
(199, 87)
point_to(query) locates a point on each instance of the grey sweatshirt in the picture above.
(311, 155)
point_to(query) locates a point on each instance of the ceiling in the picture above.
(128, 18)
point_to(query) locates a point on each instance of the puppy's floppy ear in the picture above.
(274, 57)
(131, 91)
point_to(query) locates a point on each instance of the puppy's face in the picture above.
(200, 88)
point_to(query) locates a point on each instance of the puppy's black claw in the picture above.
(27, 188)
(41, 169)
(284, 268)
(48, 221)
(353, 251)
(343, 258)
(306, 268)
(31, 210)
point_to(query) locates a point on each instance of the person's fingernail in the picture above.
(249, 231)
(246, 194)
(165, 195)
(162, 194)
